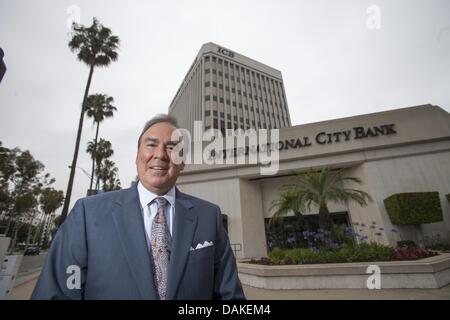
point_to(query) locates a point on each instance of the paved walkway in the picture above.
(349, 294)
(23, 291)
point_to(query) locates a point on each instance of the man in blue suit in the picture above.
(150, 241)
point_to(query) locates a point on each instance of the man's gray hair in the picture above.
(157, 119)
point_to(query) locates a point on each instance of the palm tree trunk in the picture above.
(94, 157)
(77, 147)
(324, 217)
(27, 243)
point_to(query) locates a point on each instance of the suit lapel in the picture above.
(184, 224)
(131, 233)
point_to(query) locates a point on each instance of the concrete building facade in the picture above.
(402, 150)
(227, 90)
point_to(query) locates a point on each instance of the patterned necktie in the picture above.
(161, 243)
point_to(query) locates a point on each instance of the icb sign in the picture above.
(225, 52)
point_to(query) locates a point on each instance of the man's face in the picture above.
(156, 169)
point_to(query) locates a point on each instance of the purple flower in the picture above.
(394, 230)
(372, 227)
(381, 229)
(378, 233)
(363, 225)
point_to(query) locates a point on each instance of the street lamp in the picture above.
(90, 192)
(84, 171)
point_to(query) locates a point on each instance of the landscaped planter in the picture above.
(433, 272)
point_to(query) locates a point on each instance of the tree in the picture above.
(319, 188)
(22, 179)
(103, 150)
(99, 107)
(95, 46)
(50, 201)
(107, 173)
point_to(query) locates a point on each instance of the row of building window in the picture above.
(238, 79)
(215, 114)
(242, 126)
(236, 67)
(227, 88)
(255, 97)
(239, 105)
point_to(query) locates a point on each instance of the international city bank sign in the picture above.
(321, 138)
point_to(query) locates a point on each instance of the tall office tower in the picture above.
(227, 90)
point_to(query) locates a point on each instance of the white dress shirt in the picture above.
(149, 211)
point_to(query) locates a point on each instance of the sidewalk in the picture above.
(23, 291)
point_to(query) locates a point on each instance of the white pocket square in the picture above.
(201, 246)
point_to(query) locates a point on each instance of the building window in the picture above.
(215, 113)
(233, 90)
(213, 59)
(235, 118)
(214, 71)
(240, 105)
(228, 102)
(207, 113)
(207, 98)
(238, 79)
(225, 63)
(246, 107)
(221, 100)
(208, 71)
(214, 84)
(227, 88)
(234, 103)
(251, 109)
(220, 73)
(229, 116)
(207, 84)
(220, 86)
(232, 78)
(207, 59)
(239, 92)
(220, 61)
(214, 98)
(244, 94)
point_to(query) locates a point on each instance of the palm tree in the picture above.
(95, 46)
(107, 172)
(103, 151)
(50, 201)
(98, 107)
(319, 188)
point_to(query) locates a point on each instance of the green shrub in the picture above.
(407, 243)
(414, 208)
(363, 252)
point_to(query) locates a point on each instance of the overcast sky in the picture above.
(336, 57)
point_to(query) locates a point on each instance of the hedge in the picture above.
(414, 208)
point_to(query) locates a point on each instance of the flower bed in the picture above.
(364, 252)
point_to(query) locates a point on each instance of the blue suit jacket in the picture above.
(104, 236)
